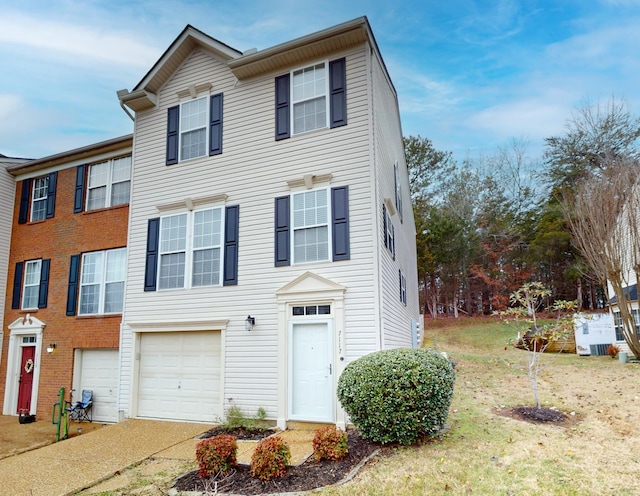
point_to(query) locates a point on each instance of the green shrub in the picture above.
(397, 395)
(330, 443)
(236, 419)
(216, 455)
(270, 458)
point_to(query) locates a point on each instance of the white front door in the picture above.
(311, 372)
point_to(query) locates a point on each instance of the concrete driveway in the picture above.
(76, 463)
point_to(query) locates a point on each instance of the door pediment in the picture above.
(311, 284)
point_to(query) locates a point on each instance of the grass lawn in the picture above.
(485, 453)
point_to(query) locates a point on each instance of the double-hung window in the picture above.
(309, 98)
(31, 284)
(312, 97)
(109, 183)
(102, 282)
(310, 226)
(190, 249)
(39, 198)
(403, 287)
(193, 128)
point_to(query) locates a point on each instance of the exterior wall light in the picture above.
(51, 347)
(249, 323)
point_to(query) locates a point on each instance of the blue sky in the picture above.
(471, 74)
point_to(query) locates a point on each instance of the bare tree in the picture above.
(604, 219)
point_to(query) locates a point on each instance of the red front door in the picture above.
(26, 378)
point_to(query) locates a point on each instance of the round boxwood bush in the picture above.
(396, 396)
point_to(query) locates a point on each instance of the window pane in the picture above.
(92, 268)
(206, 267)
(309, 82)
(310, 245)
(32, 275)
(114, 297)
(324, 309)
(99, 175)
(120, 193)
(89, 298)
(310, 208)
(193, 144)
(121, 169)
(173, 233)
(172, 271)
(96, 198)
(116, 265)
(207, 226)
(309, 115)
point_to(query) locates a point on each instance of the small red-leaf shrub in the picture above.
(330, 443)
(216, 454)
(613, 350)
(270, 458)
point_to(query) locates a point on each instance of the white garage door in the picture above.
(179, 376)
(99, 373)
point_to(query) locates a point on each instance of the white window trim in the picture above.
(37, 262)
(207, 121)
(189, 249)
(102, 283)
(328, 224)
(389, 234)
(109, 184)
(326, 97)
(42, 198)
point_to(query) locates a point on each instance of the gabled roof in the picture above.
(252, 62)
(143, 95)
(631, 293)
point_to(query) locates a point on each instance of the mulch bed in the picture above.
(239, 433)
(536, 415)
(309, 475)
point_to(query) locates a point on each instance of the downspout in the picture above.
(126, 111)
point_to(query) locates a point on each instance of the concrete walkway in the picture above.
(72, 465)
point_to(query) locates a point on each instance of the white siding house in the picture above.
(271, 235)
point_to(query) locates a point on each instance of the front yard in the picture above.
(486, 453)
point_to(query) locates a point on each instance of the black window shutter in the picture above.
(215, 126)
(78, 196)
(151, 267)
(340, 222)
(231, 224)
(24, 202)
(17, 285)
(44, 282)
(400, 283)
(393, 242)
(72, 289)
(282, 235)
(51, 195)
(173, 128)
(338, 92)
(283, 123)
(384, 226)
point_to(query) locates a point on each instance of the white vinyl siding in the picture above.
(309, 88)
(109, 183)
(31, 288)
(193, 128)
(39, 198)
(102, 282)
(310, 220)
(251, 358)
(7, 196)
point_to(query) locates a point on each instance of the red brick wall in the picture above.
(58, 238)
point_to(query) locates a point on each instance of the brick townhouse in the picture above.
(65, 278)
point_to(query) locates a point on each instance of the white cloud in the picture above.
(72, 41)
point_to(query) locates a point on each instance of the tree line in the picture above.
(486, 226)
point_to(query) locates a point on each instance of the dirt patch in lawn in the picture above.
(536, 415)
(310, 475)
